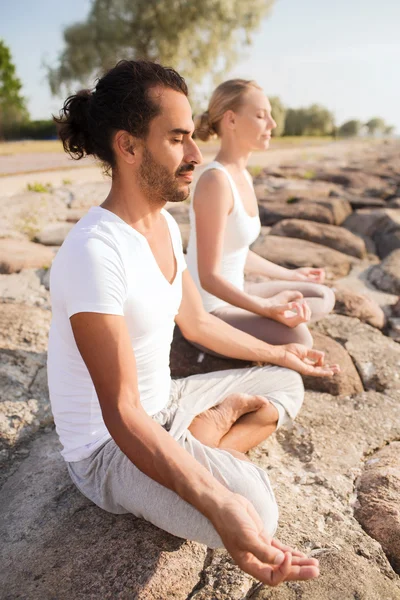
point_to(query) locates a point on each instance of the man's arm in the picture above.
(106, 349)
(211, 332)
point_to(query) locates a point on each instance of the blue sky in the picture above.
(344, 54)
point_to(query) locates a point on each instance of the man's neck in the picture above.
(128, 202)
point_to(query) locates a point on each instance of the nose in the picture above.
(271, 124)
(193, 154)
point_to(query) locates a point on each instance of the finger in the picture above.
(304, 561)
(318, 356)
(299, 573)
(283, 571)
(285, 548)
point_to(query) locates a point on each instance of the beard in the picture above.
(158, 183)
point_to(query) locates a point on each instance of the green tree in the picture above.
(279, 114)
(389, 130)
(350, 128)
(318, 121)
(196, 38)
(295, 121)
(12, 104)
(375, 125)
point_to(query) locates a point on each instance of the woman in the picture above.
(225, 221)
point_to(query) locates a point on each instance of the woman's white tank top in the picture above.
(241, 231)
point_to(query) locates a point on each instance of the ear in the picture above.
(229, 119)
(124, 146)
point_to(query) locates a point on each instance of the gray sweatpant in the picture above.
(112, 481)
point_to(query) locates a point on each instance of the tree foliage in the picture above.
(279, 114)
(314, 120)
(375, 125)
(350, 128)
(12, 103)
(196, 38)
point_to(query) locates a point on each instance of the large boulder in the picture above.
(387, 235)
(86, 195)
(25, 288)
(293, 253)
(328, 235)
(365, 221)
(376, 357)
(361, 306)
(53, 234)
(16, 255)
(378, 493)
(345, 383)
(386, 275)
(273, 212)
(24, 327)
(57, 544)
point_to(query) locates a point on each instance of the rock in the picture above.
(293, 253)
(180, 211)
(328, 235)
(185, 233)
(387, 235)
(345, 383)
(357, 281)
(394, 203)
(273, 212)
(353, 179)
(74, 215)
(187, 360)
(54, 234)
(386, 275)
(86, 195)
(24, 327)
(16, 255)
(364, 222)
(376, 357)
(57, 544)
(339, 207)
(223, 579)
(362, 307)
(313, 468)
(24, 288)
(357, 202)
(24, 405)
(378, 494)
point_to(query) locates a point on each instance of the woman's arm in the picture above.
(261, 266)
(212, 204)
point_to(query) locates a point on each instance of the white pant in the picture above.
(113, 482)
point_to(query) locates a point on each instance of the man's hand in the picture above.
(307, 361)
(308, 274)
(241, 531)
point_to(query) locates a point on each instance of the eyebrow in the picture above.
(179, 131)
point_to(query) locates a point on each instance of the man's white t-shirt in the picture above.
(106, 266)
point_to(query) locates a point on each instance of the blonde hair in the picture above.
(227, 96)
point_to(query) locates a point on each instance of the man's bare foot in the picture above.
(210, 426)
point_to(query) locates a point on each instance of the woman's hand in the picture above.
(290, 314)
(286, 307)
(306, 361)
(308, 274)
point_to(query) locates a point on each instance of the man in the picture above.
(135, 441)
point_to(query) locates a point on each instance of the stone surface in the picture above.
(24, 288)
(357, 282)
(387, 235)
(361, 306)
(364, 222)
(345, 383)
(24, 401)
(357, 202)
(16, 255)
(54, 234)
(376, 357)
(378, 494)
(85, 195)
(24, 327)
(293, 253)
(57, 544)
(180, 211)
(185, 233)
(386, 275)
(331, 236)
(353, 178)
(273, 212)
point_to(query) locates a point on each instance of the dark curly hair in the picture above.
(120, 100)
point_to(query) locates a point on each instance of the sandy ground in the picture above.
(17, 170)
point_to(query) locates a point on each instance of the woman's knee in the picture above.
(302, 335)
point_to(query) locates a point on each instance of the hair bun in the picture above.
(203, 128)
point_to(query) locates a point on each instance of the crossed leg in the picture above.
(240, 422)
